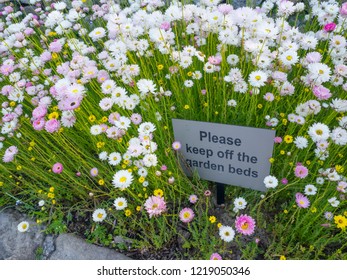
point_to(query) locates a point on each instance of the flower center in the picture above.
(257, 78)
(100, 215)
(244, 226)
(289, 57)
(154, 206)
(186, 215)
(24, 226)
(321, 71)
(123, 179)
(319, 132)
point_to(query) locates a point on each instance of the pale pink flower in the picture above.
(52, 125)
(155, 205)
(216, 256)
(343, 10)
(39, 124)
(186, 215)
(302, 201)
(321, 92)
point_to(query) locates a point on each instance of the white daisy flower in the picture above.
(188, 83)
(114, 158)
(310, 190)
(289, 57)
(106, 103)
(226, 233)
(209, 67)
(333, 201)
(103, 156)
(150, 160)
(146, 86)
(240, 203)
(23, 226)
(120, 203)
(320, 180)
(233, 59)
(123, 123)
(339, 136)
(122, 179)
(146, 128)
(142, 172)
(318, 132)
(300, 142)
(270, 182)
(257, 78)
(97, 34)
(197, 75)
(108, 86)
(96, 129)
(232, 103)
(99, 215)
(319, 72)
(339, 105)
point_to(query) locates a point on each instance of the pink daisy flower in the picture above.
(39, 112)
(216, 257)
(155, 205)
(163, 168)
(329, 27)
(193, 198)
(39, 124)
(302, 201)
(176, 145)
(301, 171)
(343, 10)
(245, 224)
(57, 168)
(52, 125)
(186, 215)
(94, 172)
(136, 118)
(284, 181)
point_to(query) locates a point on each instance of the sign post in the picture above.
(225, 154)
(220, 194)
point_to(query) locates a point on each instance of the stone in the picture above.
(120, 240)
(15, 245)
(25, 2)
(48, 246)
(29, 10)
(71, 247)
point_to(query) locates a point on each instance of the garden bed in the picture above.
(88, 94)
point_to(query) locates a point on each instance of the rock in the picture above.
(71, 247)
(15, 245)
(243, 3)
(25, 2)
(48, 246)
(119, 240)
(29, 10)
